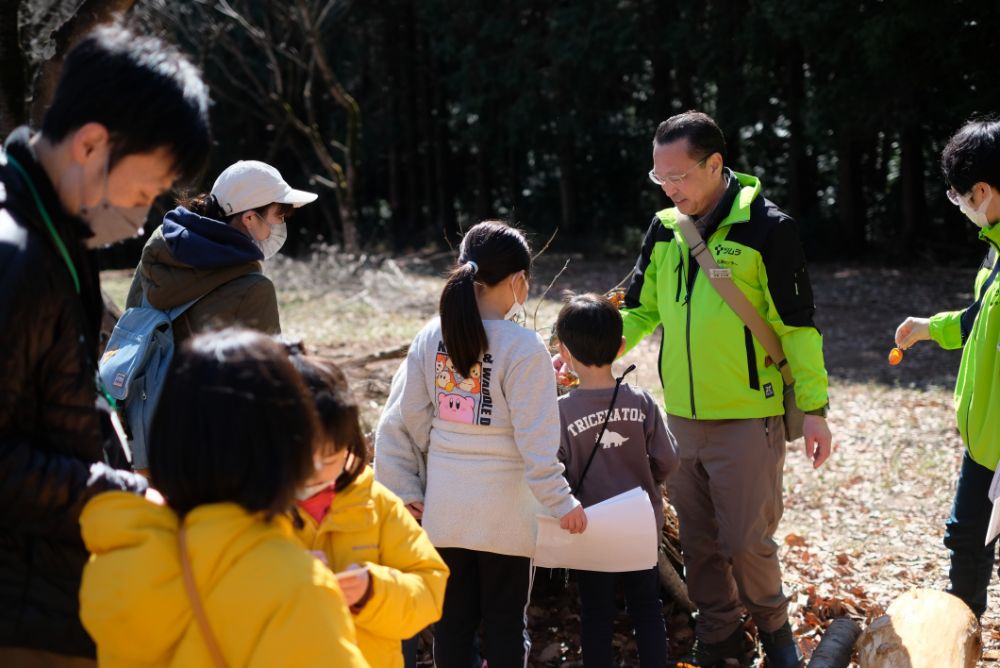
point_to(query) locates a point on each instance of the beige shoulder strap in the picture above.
(721, 280)
(196, 606)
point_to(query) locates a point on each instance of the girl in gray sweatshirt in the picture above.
(469, 438)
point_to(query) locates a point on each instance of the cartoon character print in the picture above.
(444, 376)
(473, 383)
(456, 408)
(457, 397)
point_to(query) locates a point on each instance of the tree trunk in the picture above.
(443, 187)
(801, 170)
(13, 89)
(90, 14)
(911, 180)
(567, 183)
(851, 210)
(922, 629)
(837, 646)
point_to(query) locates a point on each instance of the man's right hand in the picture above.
(913, 330)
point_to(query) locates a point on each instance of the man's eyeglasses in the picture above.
(675, 179)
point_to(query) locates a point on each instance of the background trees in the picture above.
(419, 117)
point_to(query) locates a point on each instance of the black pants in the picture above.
(965, 531)
(488, 588)
(642, 601)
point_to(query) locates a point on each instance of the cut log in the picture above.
(837, 646)
(672, 583)
(922, 629)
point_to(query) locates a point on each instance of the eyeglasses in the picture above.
(675, 178)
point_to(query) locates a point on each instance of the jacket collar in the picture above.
(991, 234)
(352, 508)
(72, 229)
(743, 189)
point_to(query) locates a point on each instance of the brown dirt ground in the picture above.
(856, 533)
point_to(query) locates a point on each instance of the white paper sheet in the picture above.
(621, 536)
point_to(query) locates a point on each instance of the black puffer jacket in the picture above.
(52, 438)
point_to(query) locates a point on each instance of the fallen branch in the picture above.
(837, 646)
(398, 352)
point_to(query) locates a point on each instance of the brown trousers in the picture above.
(727, 494)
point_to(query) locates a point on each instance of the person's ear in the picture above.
(564, 352)
(979, 193)
(715, 163)
(621, 349)
(87, 140)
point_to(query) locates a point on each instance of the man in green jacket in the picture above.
(723, 396)
(971, 166)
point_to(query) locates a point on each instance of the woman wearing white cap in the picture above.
(210, 249)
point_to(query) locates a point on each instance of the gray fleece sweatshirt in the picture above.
(479, 452)
(636, 450)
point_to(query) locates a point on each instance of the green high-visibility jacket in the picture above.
(976, 330)
(711, 366)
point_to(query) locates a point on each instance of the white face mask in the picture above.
(310, 491)
(270, 246)
(108, 222)
(978, 215)
(516, 307)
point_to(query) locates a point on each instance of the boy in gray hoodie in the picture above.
(635, 449)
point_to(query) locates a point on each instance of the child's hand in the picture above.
(575, 521)
(353, 583)
(416, 509)
(154, 496)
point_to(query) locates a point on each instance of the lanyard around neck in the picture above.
(48, 222)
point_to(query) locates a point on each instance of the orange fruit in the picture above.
(895, 356)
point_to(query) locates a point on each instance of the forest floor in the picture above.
(856, 533)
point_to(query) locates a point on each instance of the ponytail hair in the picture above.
(490, 252)
(205, 205)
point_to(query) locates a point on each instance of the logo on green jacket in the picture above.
(726, 250)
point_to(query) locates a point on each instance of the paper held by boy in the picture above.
(621, 536)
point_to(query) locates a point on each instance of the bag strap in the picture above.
(597, 444)
(722, 281)
(196, 606)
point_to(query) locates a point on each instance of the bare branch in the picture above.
(547, 244)
(548, 287)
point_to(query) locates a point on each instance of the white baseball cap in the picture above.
(251, 184)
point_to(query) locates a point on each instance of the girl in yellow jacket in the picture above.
(392, 577)
(232, 440)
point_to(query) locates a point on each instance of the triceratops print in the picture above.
(612, 439)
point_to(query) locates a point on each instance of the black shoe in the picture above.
(781, 648)
(714, 654)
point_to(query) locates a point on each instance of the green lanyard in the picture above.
(62, 251)
(48, 222)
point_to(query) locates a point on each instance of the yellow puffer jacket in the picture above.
(267, 601)
(367, 524)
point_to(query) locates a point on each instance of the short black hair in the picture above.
(973, 155)
(338, 412)
(590, 327)
(702, 132)
(234, 423)
(144, 91)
